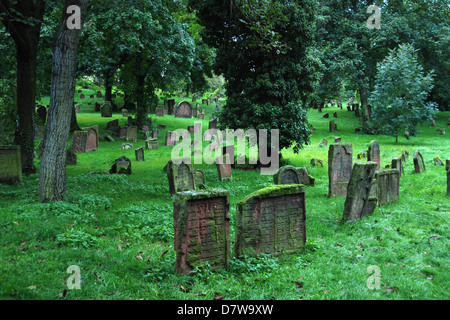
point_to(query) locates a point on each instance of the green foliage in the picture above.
(76, 238)
(401, 89)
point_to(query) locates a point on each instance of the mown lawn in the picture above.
(118, 229)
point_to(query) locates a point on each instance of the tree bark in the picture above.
(364, 96)
(73, 121)
(52, 175)
(108, 86)
(26, 38)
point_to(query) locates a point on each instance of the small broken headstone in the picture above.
(121, 165)
(419, 165)
(139, 152)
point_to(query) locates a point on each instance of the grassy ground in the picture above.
(118, 229)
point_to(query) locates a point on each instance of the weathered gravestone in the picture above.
(113, 126)
(121, 165)
(397, 163)
(77, 109)
(315, 162)
(438, 161)
(223, 165)
(139, 152)
(184, 110)
(180, 176)
(286, 175)
(373, 153)
(151, 144)
(92, 138)
(79, 140)
(10, 165)
(127, 146)
(337, 139)
(271, 221)
(326, 115)
(419, 165)
(305, 177)
(124, 113)
(388, 185)
(200, 179)
(332, 126)
(159, 111)
(359, 201)
(106, 109)
(405, 155)
(131, 133)
(325, 142)
(335, 114)
(171, 138)
(201, 229)
(122, 132)
(155, 133)
(339, 168)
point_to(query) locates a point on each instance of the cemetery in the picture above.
(141, 220)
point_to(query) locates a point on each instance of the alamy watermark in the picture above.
(74, 20)
(374, 281)
(258, 147)
(374, 21)
(74, 281)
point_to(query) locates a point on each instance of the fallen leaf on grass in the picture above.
(31, 288)
(392, 289)
(299, 285)
(339, 244)
(217, 296)
(432, 238)
(163, 253)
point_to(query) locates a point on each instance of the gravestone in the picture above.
(10, 165)
(71, 158)
(438, 161)
(326, 115)
(113, 126)
(271, 221)
(124, 113)
(213, 123)
(79, 140)
(201, 229)
(201, 116)
(180, 176)
(92, 138)
(224, 168)
(131, 133)
(159, 111)
(161, 126)
(151, 144)
(184, 110)
(337, 139)
(42, 113)
(315, 162)
(91, 96)
(388, 186)
(106, 109)
(81, 96)
(155, 133)
(199, 179)
(325, 142)
(121, 165)
(305, 177)
(197, 127)
(139, 152)
(335, 114)
(359, 202)
(286, 175)
(362, 155)
(97, 107)
(99, 94)
(190, 129)
(171, 106)
(373, 153)
(127, 146)
(171, 138)
(397, 163)
(419, 165)
(229, 149)
(405, 155)
(77, 109)
(332, 126)
(339, 168)
(122, 132)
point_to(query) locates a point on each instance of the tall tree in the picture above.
(52, 174)
(23, 20)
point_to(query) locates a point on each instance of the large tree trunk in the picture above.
(52, 175)
(364, 96)
(73, 121)
(108, 86)
(16, 16)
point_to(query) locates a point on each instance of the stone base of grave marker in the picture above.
(388, 186)
(10, 164)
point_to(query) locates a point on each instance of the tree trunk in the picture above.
(364, 96)
(52, 175)
(73, 121)
(108, 86)
(16, 16)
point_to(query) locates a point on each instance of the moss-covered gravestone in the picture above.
(359, 201)
(92, 138)
(340, 160)
(332, 126)
(10, 164)
(106, 109)
(79, 140)
(397, 163)
(121, 165)
(373, 153)
(305, 177)
(171, 106)
(160, 111)
(201, 227)
(199, 179)
(180, 176)
(286, 175)
(419, 165)
(139, 152)
(131, 133)
(151, 144)
(271, 220)
(388, 185)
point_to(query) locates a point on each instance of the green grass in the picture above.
(118, 229)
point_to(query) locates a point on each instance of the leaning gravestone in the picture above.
(10, 165)
(121, 165)
(184, 110)
(224, 167)
(271, 221)
(286, 175)
(359, 202)
(397, 163)
(180, 176)
(92, 138)
(106, 109)
(139, 152)
(373, 153)
(419, 165)
(305, 177)
(201, 229)
(127, 146)
(388, 185)
(339, 168)
(79, 140)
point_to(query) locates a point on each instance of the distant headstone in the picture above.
(405, 155)
(113, 126)
(326, 115)
(332, 126)
(271, 221)
(121, 165)
(325, 142)
(81, 96)
(224, 167)
(286, 175)
(127, 146)
(79, 140)
(388, 186)
(171, 138)
(441, 131)
(139, 152)
(106, 110)
(42, 113)
(200, 179)
(373, 153)
(10, 165)
(212, 123)
(77, 109)
(438, 161)
(124, 113)
(151, 144)
(315, 162)
(122, 132)
(92, 138)
(99, 94)
(397, 163)
(180, 176)
(340, 163)
(419, 165)
(201, 116)
(362, 155)
(201, 229)
(335, 114)
(97, 107)
(131, 133)
(337, 139)
(358, 202)
(305, 177)
(184, 110)
(160, 111)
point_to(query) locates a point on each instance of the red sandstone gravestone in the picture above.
(340, 163)
(184, 110)
(224, 167)
(201, 229)
(92, 138)
(79, 140)
(388, 185)
(271, 221)
(373, 153)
